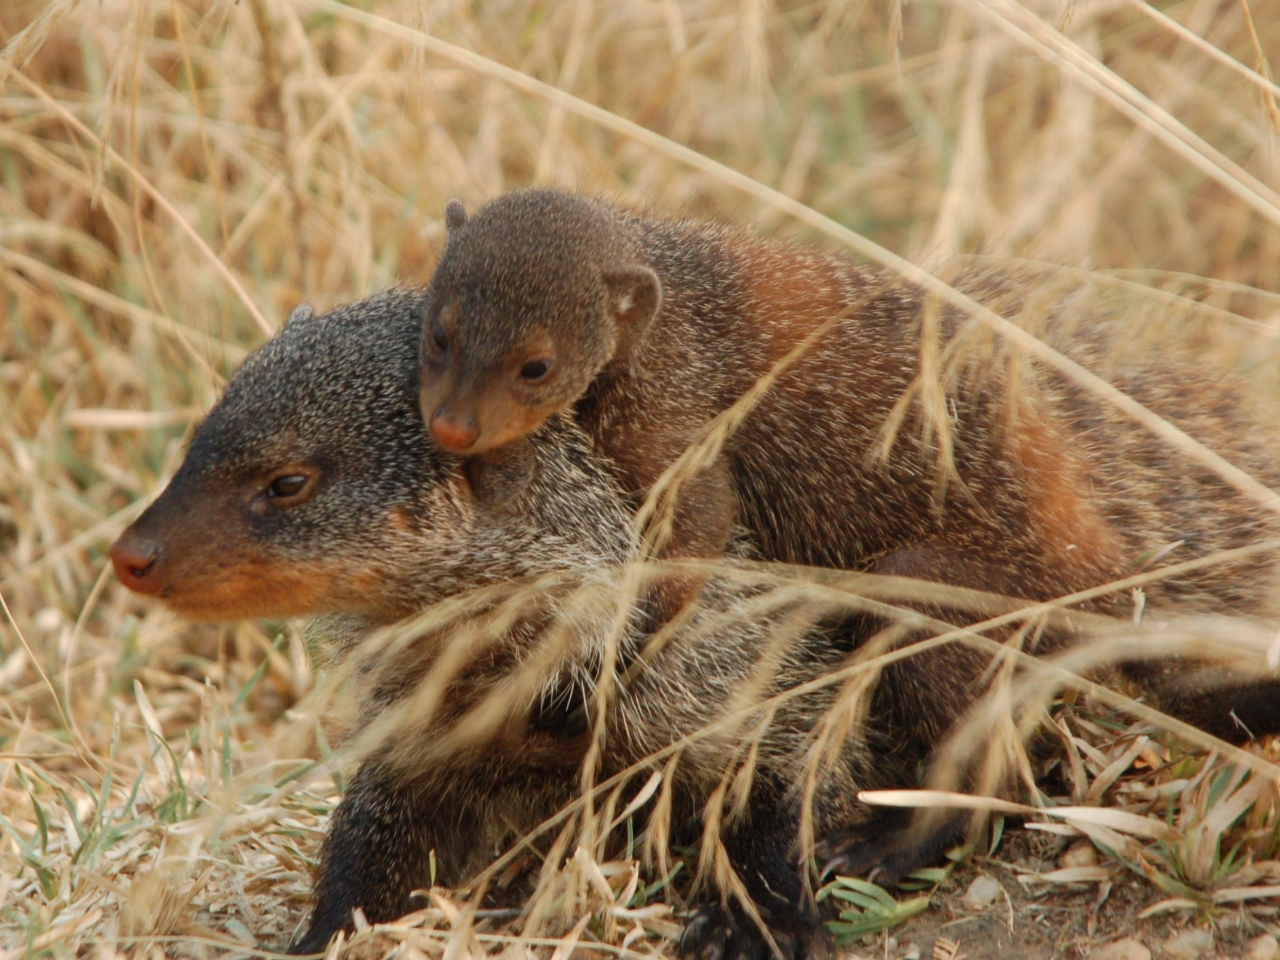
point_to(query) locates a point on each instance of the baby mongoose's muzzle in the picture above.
(457, 434)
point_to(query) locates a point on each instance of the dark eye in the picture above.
(439, 339)
(535, 369)
(290, 485)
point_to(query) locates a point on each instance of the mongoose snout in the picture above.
(454, 433)
(135, 562)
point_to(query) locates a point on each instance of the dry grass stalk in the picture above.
(175, 175)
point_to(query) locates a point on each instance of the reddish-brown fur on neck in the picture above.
(796, 292)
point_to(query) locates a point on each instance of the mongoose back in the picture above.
(312, 488)
(649, 328)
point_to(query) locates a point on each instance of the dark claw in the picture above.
(714, 933)
(697, 936)
(832, 867)
(309, 944)
(887, 857)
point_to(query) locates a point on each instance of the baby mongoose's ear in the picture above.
(303, 311)
(455, 214)
(635, 297)
(498, 477)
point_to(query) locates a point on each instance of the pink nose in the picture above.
(135, 564)
(455, 435)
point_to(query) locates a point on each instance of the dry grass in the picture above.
(176, 175)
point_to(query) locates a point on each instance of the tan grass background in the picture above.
(175, 176)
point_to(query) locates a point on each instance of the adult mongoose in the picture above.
(313, 488)
(648, 328)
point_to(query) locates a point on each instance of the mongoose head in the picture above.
(312, 487)
(533, 297)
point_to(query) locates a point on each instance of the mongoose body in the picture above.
(312, 488)
(649, 328)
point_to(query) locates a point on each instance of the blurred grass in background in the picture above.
(175, 176)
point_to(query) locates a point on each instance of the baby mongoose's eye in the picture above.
(439, 339)
(535, 369)
(288, 487)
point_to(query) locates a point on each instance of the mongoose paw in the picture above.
(315, 940)
(714, 933)
(886, 856)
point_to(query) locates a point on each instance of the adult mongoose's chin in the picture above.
(313, 488)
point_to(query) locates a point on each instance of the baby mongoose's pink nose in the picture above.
(135, 563)
(456, 435)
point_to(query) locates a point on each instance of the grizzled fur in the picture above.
(385, 522)
(332, 398)
(652, 327)
(423, 525)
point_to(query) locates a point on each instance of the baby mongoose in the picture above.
(313, 488)
(646, 328)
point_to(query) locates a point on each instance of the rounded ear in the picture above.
(498, 477)
(635, 297)
(303, 311)
(455, 215)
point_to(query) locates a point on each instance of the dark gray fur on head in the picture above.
(339, 392)
(580, 251)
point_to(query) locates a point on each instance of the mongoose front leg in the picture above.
(918, 701)
(377, 852)
(761, 846)
(392, 820)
